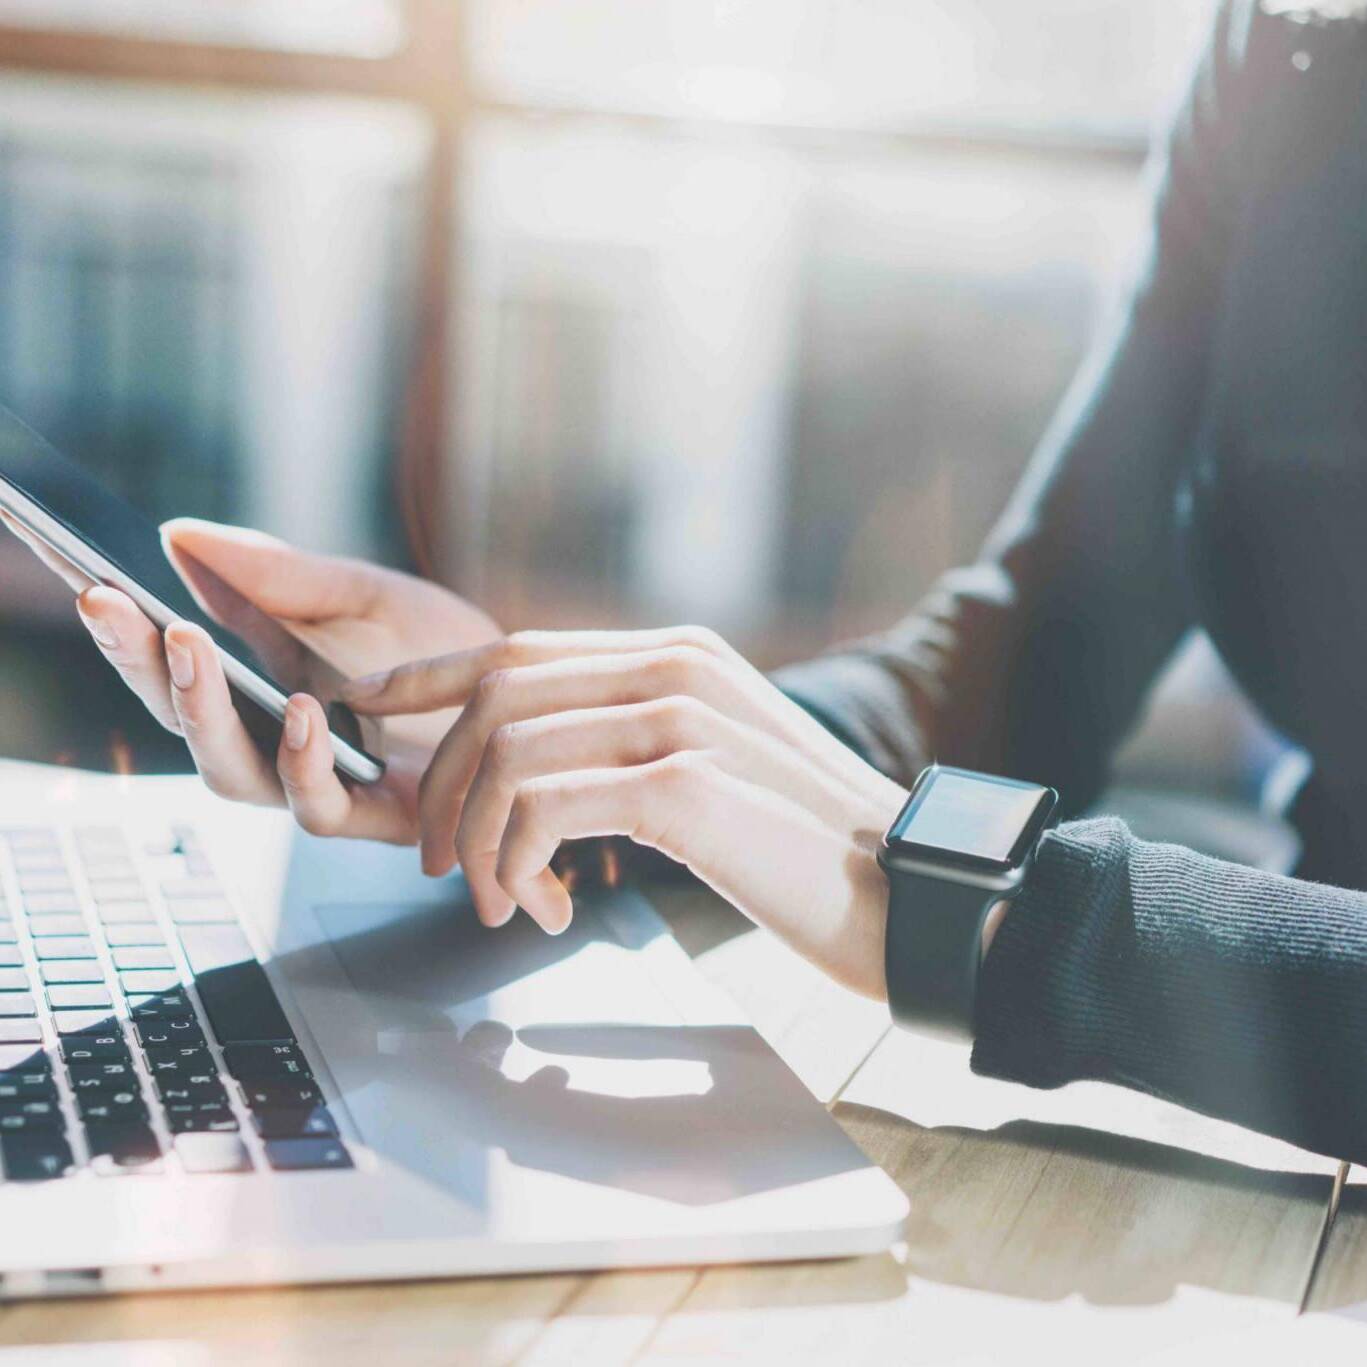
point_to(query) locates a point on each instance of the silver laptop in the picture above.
(232, 1054)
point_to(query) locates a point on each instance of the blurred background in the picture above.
(603, 311)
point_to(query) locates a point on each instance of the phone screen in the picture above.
(102, 522)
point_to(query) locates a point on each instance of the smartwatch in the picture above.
(962, 843)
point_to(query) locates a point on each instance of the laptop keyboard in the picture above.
(139, 1034)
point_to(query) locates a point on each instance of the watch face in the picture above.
(973, 819)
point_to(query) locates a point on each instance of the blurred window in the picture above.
(205, 295)
(351, 28)
(1096, 66)
(764, 303)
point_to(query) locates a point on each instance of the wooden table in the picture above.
(1084, 1225)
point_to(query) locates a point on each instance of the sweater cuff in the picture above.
(1046, 1009)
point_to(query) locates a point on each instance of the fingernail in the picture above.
(296, 727)
(101, 631)
(181, 664)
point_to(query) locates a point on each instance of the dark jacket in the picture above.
(1208, 466)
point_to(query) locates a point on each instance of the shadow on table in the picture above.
(1046, 1211)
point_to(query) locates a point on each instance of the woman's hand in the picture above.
(669, 738)
(359, 617)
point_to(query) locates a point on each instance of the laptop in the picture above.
(233, 1054)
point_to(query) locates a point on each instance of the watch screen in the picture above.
(973, 816)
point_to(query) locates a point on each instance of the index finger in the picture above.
(449, 680)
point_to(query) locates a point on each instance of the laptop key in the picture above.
(41, 904)
(150, 980)
(265, 1061)
(35, 1157)
(117, 890)
(123, 1149)
(236, 993)
(204, 1088)
(136, 934)
(160, 1006)
(65, 947)
(17, 1004)
(200, 1118)
(153, 1033)
(20, 1031)
(114, 914)
(23, 1058)
(144, 957)
(84, 1022)
(105, 866)
(297, 1155)
(10, 955)
(44, 927)
(50, 880)
(188, 889)
(102, 1073)
(73, 971)
(281, 1095)
(202, 911)
(169, 1058)
(27, 1087)
(133, 934)
(79, 1049)
(80, 995)
(294, 1123)
(38, 1110)
(13, 980)
(199, 1152)
(112, 1108)
(21, 1123)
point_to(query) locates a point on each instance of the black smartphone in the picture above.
(108, 539)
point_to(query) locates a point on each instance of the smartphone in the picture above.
(112, 542)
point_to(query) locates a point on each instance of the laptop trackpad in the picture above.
(449, 1040)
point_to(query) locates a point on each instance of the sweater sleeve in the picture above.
(1035, 660)
(1235, 992)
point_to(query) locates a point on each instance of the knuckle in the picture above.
(192, 725)
(678, 668)
(679, 774)
(517, 645)
(222, 785)
(501, 747)
(527, 805)
(397, 681)
(678, 719)
(313, 822)
(702, 638)
(489, 690)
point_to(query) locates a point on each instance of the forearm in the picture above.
(1225, 989)
(1035, 660)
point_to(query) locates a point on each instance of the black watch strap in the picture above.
(932, 947)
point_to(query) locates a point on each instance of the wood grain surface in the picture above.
(1084, 1225)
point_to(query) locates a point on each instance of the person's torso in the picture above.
(1275, 500)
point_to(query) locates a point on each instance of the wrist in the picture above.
(995, 916)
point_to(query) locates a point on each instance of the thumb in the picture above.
(278, 578)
